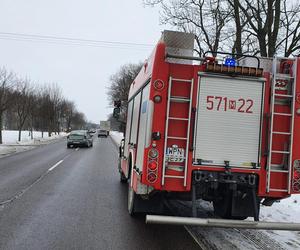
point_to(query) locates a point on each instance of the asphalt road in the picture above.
(58, 198)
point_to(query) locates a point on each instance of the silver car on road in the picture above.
(79, 138)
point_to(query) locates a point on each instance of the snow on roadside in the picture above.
(11, 137)
(287, 210)
(116, 136)
(11, 144)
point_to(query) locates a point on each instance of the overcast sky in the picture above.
(82, 71)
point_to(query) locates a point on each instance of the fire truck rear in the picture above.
(216, 128)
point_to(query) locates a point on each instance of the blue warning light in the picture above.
(230, 62)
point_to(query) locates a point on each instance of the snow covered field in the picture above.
(12, 145)
(287, 210)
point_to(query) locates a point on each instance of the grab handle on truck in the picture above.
(193, 121)
(266, 150)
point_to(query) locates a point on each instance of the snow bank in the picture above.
(116, 136)
(287, 210)
(11, 137)
(12, 145)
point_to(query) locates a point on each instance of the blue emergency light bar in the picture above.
(230, 62)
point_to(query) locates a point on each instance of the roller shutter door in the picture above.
(228, 122)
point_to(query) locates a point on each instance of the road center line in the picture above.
(54, 166)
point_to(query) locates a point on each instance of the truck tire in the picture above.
(138, 205)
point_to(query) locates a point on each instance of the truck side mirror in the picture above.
(116, 113)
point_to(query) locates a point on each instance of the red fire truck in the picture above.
(223, 128)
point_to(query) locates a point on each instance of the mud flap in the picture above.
(151, 205)
(245, 205)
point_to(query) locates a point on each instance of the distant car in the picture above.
(102, 132)
(91, 132)
(79, 138)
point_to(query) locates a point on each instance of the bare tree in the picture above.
(23, 103)
(33, 110)
(290, 29)
(7, 82)
(261, 27)
(78, 121)
(36, 108)
(52, 97)
(120, 84)
(208, 19)
(68, 111)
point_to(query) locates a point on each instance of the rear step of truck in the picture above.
(222, 223)
(281, 82)
(183, 139)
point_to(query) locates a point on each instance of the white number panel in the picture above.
(228, 121)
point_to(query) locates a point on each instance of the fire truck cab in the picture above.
(223, 128)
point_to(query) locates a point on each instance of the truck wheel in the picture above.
(138, 205)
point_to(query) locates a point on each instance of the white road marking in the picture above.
(76, 149)
(54, 166)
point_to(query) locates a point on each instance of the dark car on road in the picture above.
(79, 138)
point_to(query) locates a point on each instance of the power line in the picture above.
(72, 41)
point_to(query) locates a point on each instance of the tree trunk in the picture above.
(262, 45)
(276, 26)
(238, 41)
(1, 129)
(20, 133)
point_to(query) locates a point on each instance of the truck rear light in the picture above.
(153, 153)
(157, 99)
(298, 98)
(158, 84)
(151, 177)
(296, 176)
(298, 111)
(152, 165)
